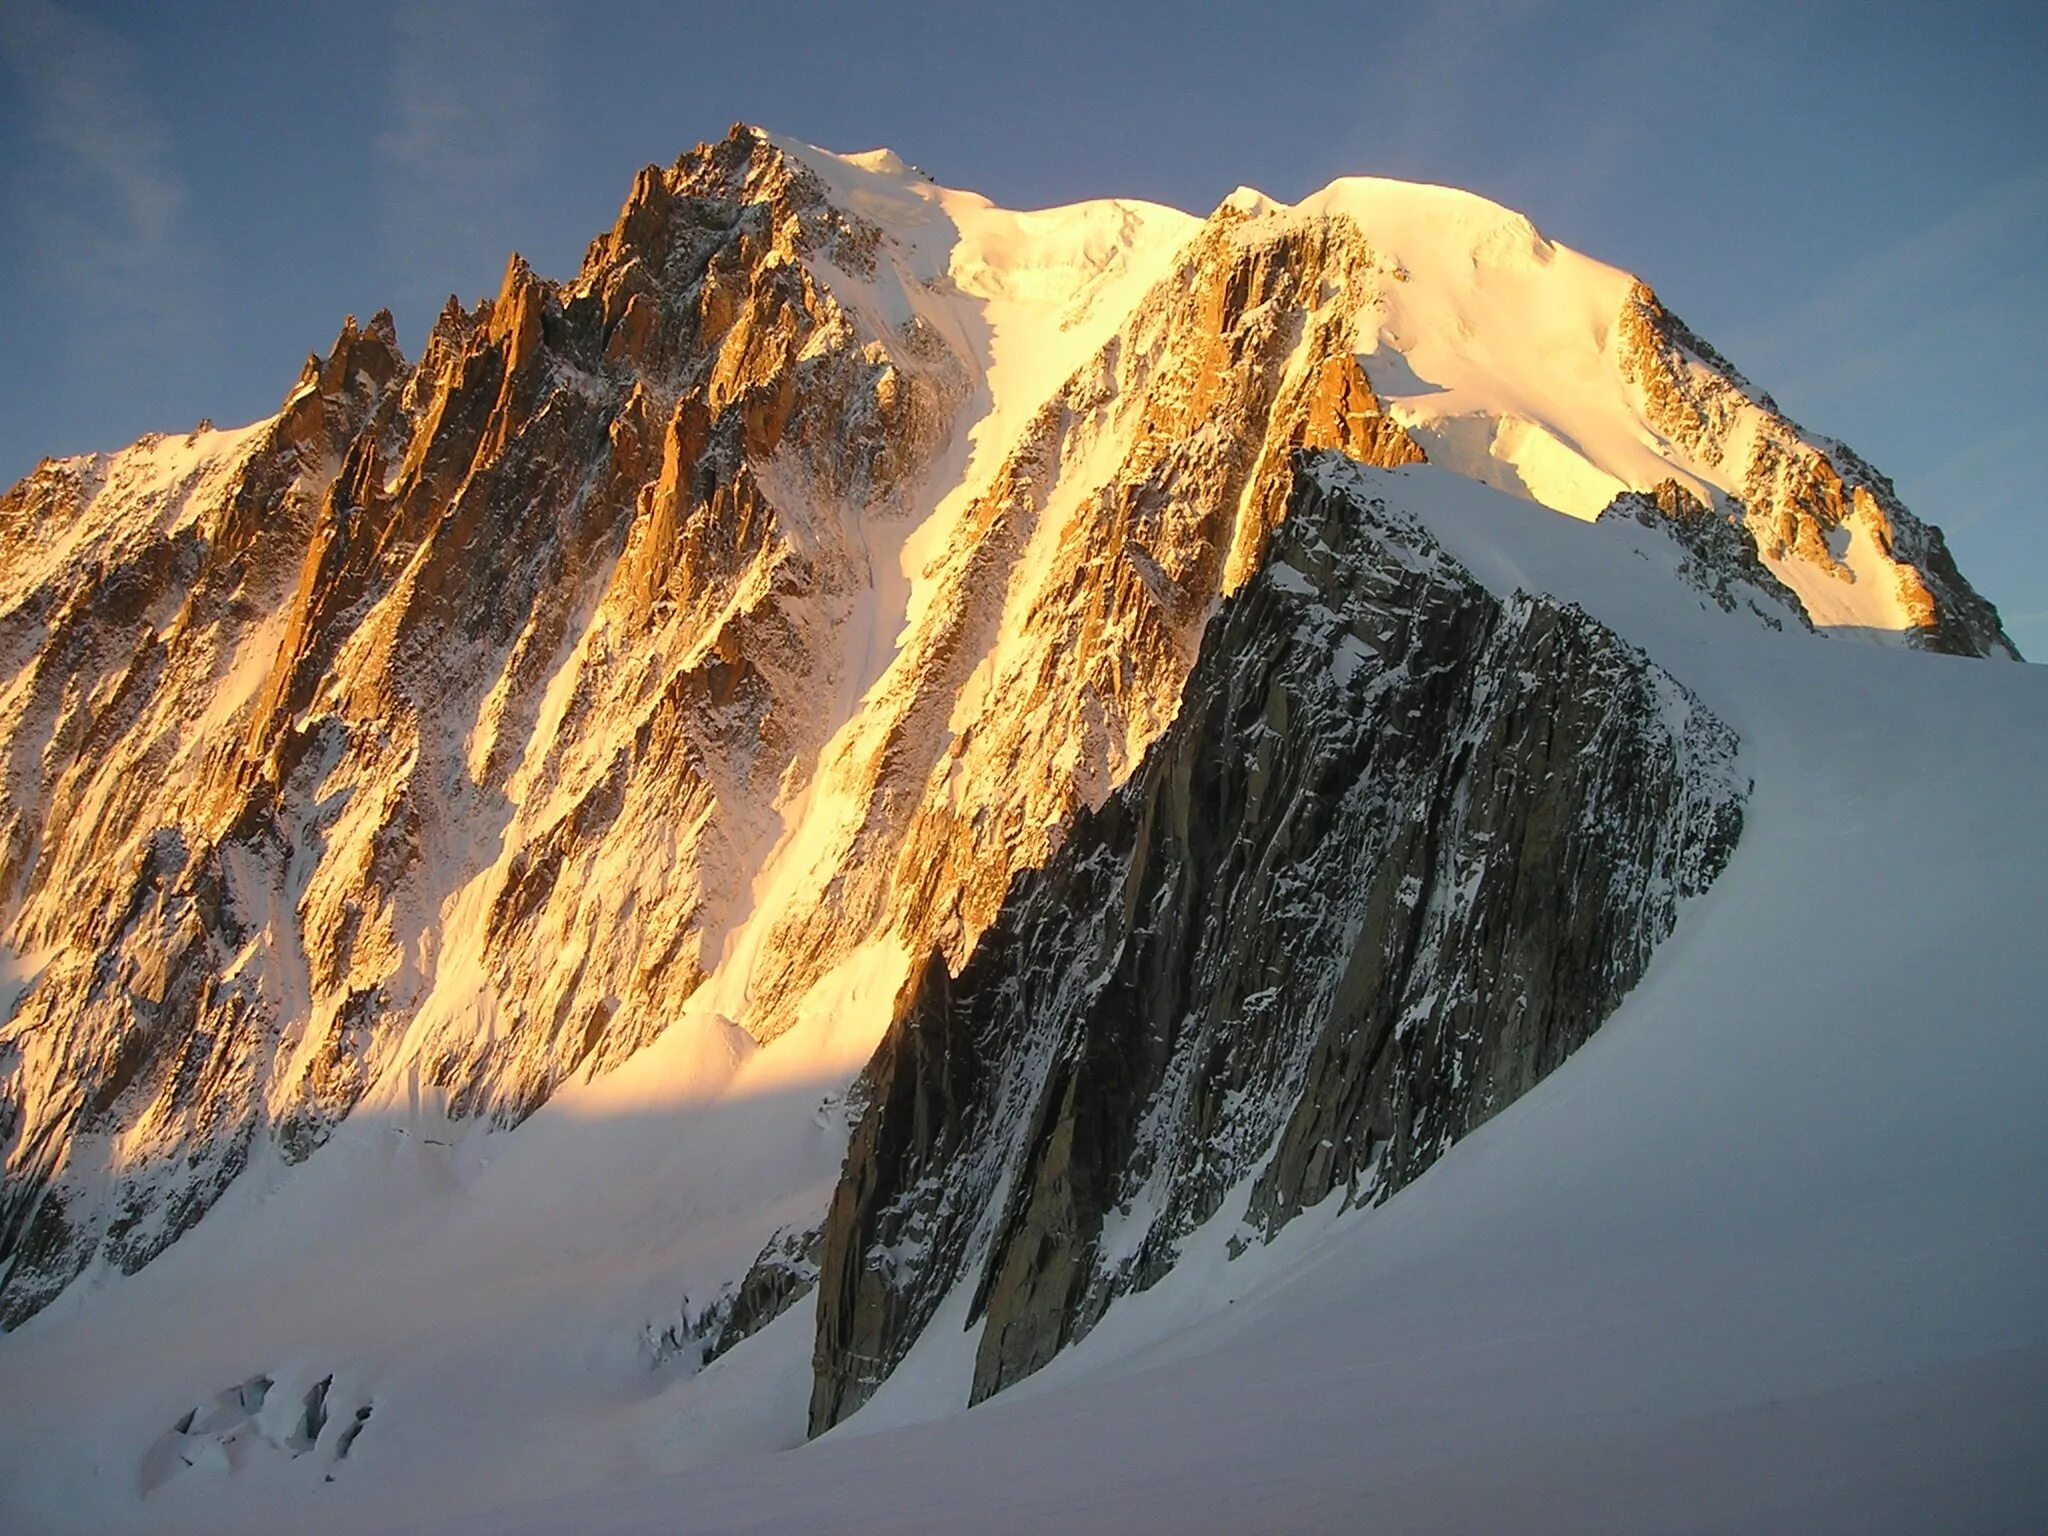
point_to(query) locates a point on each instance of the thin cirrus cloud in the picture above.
(468, 135)
(1452, 70)
(1808, 343)
(1958, 288)
(98, 205)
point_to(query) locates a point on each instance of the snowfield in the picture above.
(1766, 1255)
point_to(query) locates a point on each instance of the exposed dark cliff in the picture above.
(1404, 848)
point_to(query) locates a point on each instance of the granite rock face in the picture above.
(710, 638)
(1403, 849)
(1801, 499)
(429, 729)
(783, 1275)
(444, 729)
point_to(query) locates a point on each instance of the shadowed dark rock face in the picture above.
(1402, 851)
(783, 1275)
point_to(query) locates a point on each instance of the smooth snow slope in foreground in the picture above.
(1766, 1254)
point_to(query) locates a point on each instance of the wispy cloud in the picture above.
(1591, 113)
(470, 114)
(1899, 292)
(1419, 107)
(99, 207)
(1449, 75)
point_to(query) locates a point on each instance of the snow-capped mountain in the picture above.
(840, 792)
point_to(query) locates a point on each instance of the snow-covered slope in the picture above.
(1531, 367)
(1763, 1253)
(1765, 1256)
(462, 837)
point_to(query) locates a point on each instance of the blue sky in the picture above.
(1850, 200)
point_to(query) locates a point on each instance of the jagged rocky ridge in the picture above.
(1803, 501)
(733, 618)
(1717, 557)
(1405, 846)
(396, 733)
(493, 770)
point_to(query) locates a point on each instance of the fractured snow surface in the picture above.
(1767, 1254)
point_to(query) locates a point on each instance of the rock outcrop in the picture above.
(784, 1274)
(1403, 849)
(1715, 554)
(1805, 501)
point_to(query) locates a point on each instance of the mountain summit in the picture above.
(1068, 650)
